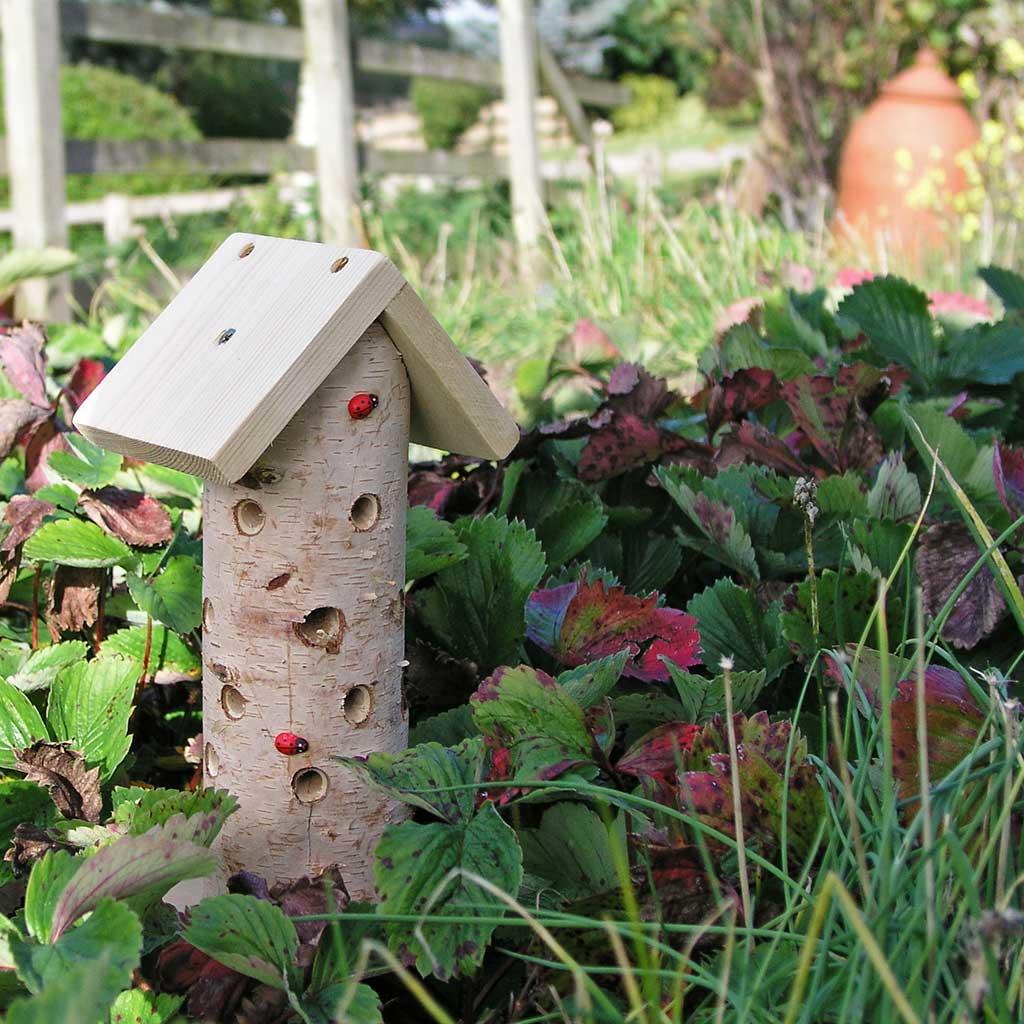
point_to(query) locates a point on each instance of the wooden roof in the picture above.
(182, 396)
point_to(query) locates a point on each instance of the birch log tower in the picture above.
(291, 377)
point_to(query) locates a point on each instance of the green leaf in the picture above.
(894, 315)
(447, 728)
(139, 1007)
(20, 723)
(141, 867)
(421, 869)
(92, 469)
(344, 1002)
(111, 930)
(953, 444)
(338, 951)
(590, 683)
(196, 816)
(574, 849)
(841, 496)
(90, 704)
(1008, 286)
(43, 665)
(649, 561)
(896, 492)
(477, 607)
(732, 624)
(168, 652)
(22, 264)
(249, 935)
(175, 597)
(60, 495)
(543, 727)
(568, 529)
(703, 698)
(81, 996)
(428, 776)
(20, 801)
(79, 543)
(430, 544)
(50, 875)
(987, 354)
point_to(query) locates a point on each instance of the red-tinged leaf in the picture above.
(627, 442)
(40, 444)
(734, 396)
(21, 353)
(582, 622)
(953, 721)
(431, 489)
(84, 381)
(631, 389)
(586, 344)
(681, 886)
(214, 991)
(73, 598)
(24, 515)
(74, 789)
(656, 755)
(834, 421)
(134, 517)
(750, 442)
(1008, 470)
(15, 415)
(946, 553)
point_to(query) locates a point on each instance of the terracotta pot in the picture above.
(908, 138)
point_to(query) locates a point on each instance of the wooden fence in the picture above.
(37, 158)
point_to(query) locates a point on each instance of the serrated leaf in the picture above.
(942, 433)
(568, 529)
(140, 867)
(1008, 286)
(249, 935)
(77, 542)
(43, 665)
(580, 622)
(131, 516)
(896, 492)
(46, 882)
(590, 683)
(418, 870)
(345, 1003)
(447, 728)
(703, 698)
(20, 723)
(140, 1007)
(90, 704)
(92, 466)
(175, 597)
(111, 930)
(82, 996)
(544, 729)
(649, 561)
(476, 608)
(430, 776)
(733, 625)
(168, 652)
(894, 315)
(430, 544)
(195, 816)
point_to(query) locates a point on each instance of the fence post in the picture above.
(519, 82)
(35, 144)
(329, 59)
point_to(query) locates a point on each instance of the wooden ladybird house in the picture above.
(291, 376)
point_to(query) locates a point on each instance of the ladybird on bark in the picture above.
(288, 743)
(361, 405)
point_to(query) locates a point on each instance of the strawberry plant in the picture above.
(682, 670)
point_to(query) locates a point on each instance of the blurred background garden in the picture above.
(707, 176)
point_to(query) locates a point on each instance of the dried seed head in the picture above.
(805, 497)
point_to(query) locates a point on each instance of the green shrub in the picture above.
(652, 100)
(99, 103)
(446, 109)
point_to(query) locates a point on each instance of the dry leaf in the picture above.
(74, 788)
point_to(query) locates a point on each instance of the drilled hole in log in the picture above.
(249, 517)
(232, 701)
(212, 759)
(245, 250)
(309, 785)
(358, 704)
(339, 264)
(322, 627)
(207, 613)
(365, 512)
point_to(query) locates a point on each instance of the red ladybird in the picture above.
(288, 743)
(361, 405)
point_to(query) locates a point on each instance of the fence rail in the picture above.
(37, 158)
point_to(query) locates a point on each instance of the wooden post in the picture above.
(519, 82)
(118, 222)
(35, 144)
(560, 87)
(303, 572)
(329, 58)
